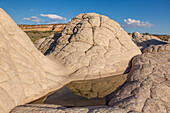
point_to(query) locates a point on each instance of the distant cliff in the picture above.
(47, 27)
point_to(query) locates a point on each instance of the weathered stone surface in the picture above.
(168, 40)
(32, 108)
(157, 48)
(143, 41)
(25, 74)
(93, 46)
(148, 85)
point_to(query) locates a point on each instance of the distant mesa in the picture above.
(47, 27)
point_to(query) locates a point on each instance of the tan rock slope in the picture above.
(93, 46)
(25, 74)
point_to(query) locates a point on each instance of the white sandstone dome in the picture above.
(95, 46)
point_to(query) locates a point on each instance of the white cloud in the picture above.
(132, 23)
(33, 19)
(54, 18)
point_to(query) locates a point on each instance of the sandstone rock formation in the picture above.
(157, 48)
(93, 46)
(147, 90)
(25, 74)
(148, 85)
(168, 40)
(57, 109)
(143, 41)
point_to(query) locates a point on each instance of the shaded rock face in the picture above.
(93, 46)
(46, 44)
(143, 41)
(148, 87)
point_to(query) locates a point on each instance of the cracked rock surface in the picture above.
(143, 41)
(93, 46)
(148, 85)
(57, 109)
(147, 89)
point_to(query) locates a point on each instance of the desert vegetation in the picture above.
(35, 35)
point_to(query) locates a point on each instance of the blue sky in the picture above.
(151, 16)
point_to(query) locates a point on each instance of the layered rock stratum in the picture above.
(48, 27)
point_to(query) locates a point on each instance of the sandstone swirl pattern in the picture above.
(93, 46)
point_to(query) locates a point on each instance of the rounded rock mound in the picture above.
(144, 41)
(94, 46)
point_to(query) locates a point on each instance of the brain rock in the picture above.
(94, 46)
